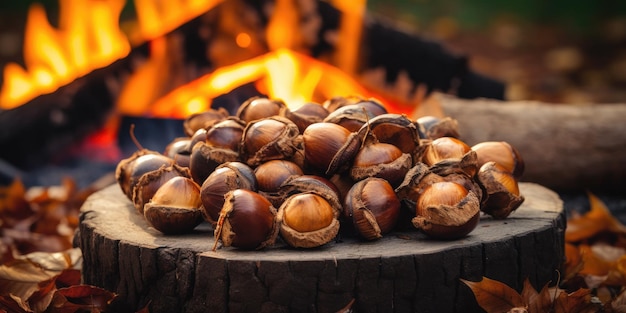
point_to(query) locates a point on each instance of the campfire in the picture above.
(176, 58)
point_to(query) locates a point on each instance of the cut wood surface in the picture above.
(402, 272)
(565, 147)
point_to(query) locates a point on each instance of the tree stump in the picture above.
(402, 272)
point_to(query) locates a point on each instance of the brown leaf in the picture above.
(593, 265)
(12, 201)
(74, 298)
(576, 302)
(21, 278)
(538, 302)
(57, 261)
(597, 220)
(494, 296)
(13, 305)
(573, 261)
(40, 300)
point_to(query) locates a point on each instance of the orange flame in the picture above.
(88, 38)
(157, 18)
(284, 73)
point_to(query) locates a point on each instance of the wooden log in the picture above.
(565, 147)
(402, 272)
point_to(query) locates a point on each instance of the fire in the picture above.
(286, 72)
(157, 18)
(89, 37)
(282, 74)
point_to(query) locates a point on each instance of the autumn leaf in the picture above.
(598, 219)
(21, 278)
(576, 302)
(494, 296)
(573, 261)
(537, 302)
(30, 280)
(81, 297)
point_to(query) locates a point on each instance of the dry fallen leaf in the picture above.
(597, 220)
(494, 296)
(80, 298)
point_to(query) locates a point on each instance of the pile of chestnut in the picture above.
(300, 175)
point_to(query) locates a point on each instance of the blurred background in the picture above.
(554, 51)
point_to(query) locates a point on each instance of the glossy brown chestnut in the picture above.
(257, 108)
(501, 194)
(201, 120)
(373, 207)
(204, 159)
(128, 171)
(329, 148)
(270, 138)
(383, 160)
(306, 115)
(174, 208)
(226, 134)
(502, 153)
(226, 177)
(272, 174)
(352, 117)
(446, 210)
(435, 127)
(444, 148)
(396, 129)
(247, 221)
(150, 182)
(307, 220)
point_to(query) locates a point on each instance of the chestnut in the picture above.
(200, 120)
(270, 138)
(150, 182)
(501, 190)
(379, 159)
(444, 148)
(435, 127)
(247, 221)
(271, 175)
(225, 134)
(226, 177)
(174, 208)
(307, 220)
(329, 148)
(257, 108)
(373, 207)
(205, 158)
(502, 153)
(352, 117)
(130, 170)
(396, 129)
(373, 106)
(446, 210)
(306, 115)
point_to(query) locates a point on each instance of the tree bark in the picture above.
(565, 147)
(402, 272)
